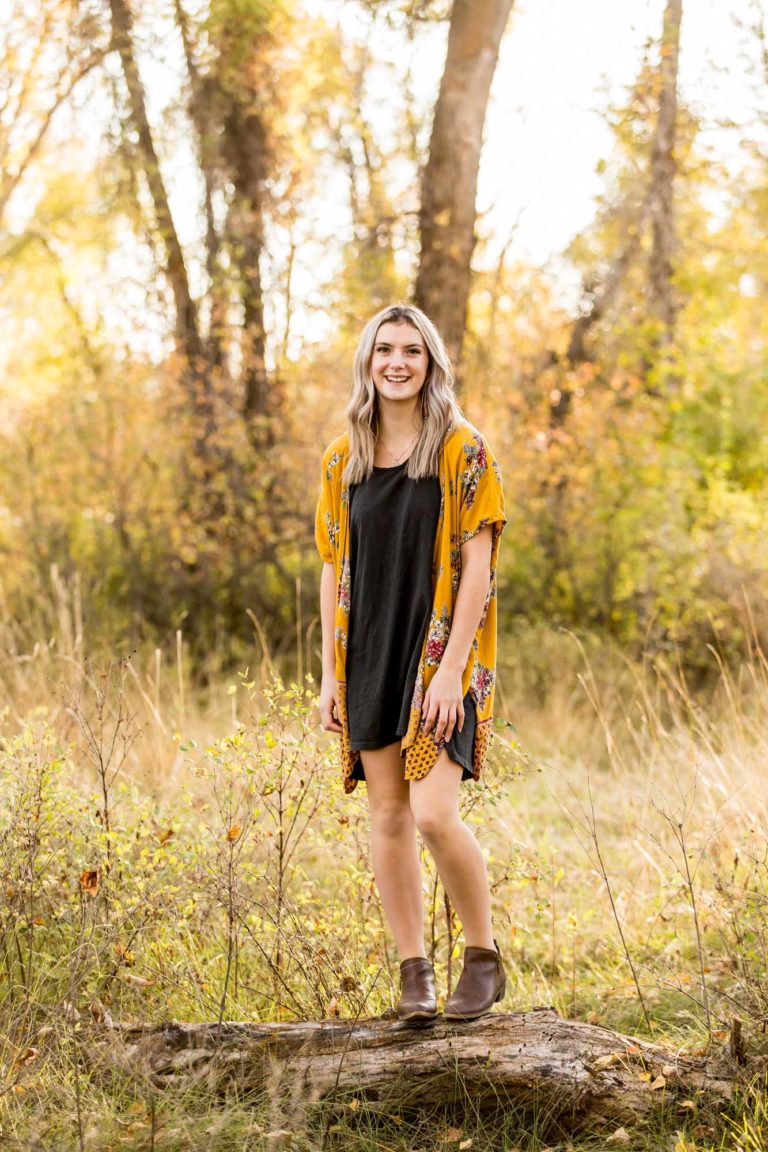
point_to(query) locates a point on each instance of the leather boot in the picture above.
(482, 983)
(417, 990)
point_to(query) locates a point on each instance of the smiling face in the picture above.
(400, 362)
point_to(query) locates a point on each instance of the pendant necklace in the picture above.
(401, 457)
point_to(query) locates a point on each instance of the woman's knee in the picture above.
(391, 816)
(435, 821)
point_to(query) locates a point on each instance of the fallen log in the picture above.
(580, 1074)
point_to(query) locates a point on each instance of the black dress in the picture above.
(392, 522)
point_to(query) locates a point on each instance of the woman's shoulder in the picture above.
(335, 452)
(461, 438)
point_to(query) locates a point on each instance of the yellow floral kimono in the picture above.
(471, 497)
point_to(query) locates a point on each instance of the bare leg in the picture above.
(394, 849)
(457, 854)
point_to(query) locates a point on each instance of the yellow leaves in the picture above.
(606, 1061)
(89, 882)
(654, 1082)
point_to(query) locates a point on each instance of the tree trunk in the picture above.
(449, 179)
(576, 1074)
(187, 331)
(203, 122)
(663, 167)
(246, 152)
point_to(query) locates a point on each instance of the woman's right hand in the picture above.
(329, 705)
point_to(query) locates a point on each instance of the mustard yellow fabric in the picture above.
(471, 497)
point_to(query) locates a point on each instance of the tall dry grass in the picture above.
(165, 856)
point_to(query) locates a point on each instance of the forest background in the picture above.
(201, 203)
(201, 206)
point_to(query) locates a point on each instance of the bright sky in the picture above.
(561, 63)
(546, 131)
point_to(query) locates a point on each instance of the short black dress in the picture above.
(392, 523)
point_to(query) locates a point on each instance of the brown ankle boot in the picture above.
(417, 989)
(482, 983)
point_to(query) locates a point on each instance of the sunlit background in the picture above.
(201, 203)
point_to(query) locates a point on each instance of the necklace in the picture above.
(401, 457)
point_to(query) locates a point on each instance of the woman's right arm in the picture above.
(329, 711)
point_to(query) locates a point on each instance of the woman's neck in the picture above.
(397, 427)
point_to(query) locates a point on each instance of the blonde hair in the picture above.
(439, 406)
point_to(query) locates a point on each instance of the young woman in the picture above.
(408, 522)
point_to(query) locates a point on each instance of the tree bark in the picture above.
(246, 152)
(449, 179)
(662, 184)
(187, 331)
(577, 1074)
(203, 122)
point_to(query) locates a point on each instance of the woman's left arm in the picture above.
(443, 700)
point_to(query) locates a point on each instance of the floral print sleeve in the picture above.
(480, 490)
(326, 518)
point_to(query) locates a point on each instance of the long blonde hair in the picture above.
(439, 407)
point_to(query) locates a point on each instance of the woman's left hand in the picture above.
(444, 703)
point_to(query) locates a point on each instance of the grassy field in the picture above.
(170, 854)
